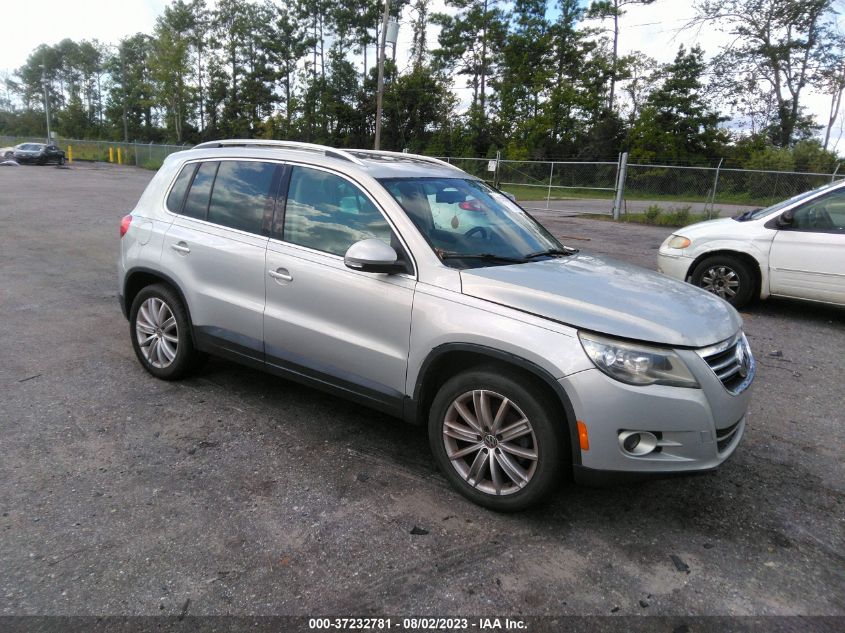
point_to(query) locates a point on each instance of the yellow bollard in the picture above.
(70, 153)
(111, 154)
(119, 158)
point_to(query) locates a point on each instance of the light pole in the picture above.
(380, 85)
(46, 103)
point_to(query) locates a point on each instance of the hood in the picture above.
(598, 293)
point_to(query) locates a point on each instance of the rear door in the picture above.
(323, 321)
(807, 259)
(216, 247)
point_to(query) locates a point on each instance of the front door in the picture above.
(807, 259)
(323, 321)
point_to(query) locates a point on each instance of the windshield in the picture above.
(759, 213)
(470, 224)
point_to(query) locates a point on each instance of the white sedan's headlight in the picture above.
(678, 241)
(636, 363)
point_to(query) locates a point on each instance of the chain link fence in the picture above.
(147, 155)
(614, 186)
(570, 186)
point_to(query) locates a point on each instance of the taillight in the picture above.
(124, 224)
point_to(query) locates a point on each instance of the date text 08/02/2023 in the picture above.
(418, 624)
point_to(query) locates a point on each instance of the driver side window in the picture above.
(328, 213)
(826, 214)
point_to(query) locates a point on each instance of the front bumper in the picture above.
(673, 264)
(698, 429)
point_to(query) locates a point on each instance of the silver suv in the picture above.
(406, 284)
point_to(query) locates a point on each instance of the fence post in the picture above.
(551, 175)
(496, 174)
(620, 184)
(715, 185)
(833, 175)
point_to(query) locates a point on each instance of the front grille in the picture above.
(725, 436)
(732, 362)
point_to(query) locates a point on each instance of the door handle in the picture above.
(181, 247)
(280, 274)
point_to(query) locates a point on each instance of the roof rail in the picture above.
(310, 147)
(428, 159)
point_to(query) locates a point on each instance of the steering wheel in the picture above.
(477, 229)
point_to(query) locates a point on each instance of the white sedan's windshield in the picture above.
(468, 223)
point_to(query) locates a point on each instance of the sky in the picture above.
(656, 30)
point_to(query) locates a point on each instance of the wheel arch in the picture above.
(446, 360)
(754, 264)
(138, 278)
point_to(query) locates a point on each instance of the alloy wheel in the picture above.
(157, 332)
(721, 280)
(490, 442)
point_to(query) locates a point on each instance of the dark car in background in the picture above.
(38, 153)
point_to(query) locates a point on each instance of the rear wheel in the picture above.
(495, 438)
(161, 333)
(727, 277)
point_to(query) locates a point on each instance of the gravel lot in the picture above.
(246, 494)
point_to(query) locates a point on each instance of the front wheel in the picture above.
(161, 333)
(496, 439)
(61, 160)
(727, 277)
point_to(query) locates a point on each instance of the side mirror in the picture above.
(786, 218)
(509, 196)
(373, 256)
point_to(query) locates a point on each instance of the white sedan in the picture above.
(795, 248)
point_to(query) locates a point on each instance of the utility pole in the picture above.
(380, 89)
(46, 103)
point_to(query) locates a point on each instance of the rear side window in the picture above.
(196, 203)
(243, 191)
(177, 193)
(328, 213)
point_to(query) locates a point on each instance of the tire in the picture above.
(727, 277)
(169, 353)
(534, 479)
(61, 160)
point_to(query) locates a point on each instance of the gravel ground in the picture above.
(246, 494)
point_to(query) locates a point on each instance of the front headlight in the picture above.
(636, 363)
(678, 241)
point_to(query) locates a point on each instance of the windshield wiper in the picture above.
(746, 215)
(484, 256)
(566, 250)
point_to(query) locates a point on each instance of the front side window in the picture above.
(468, 223)
(826, 214)
(243, 191)
(328, 213)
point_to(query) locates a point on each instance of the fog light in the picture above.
(637, 443)
(631, 442)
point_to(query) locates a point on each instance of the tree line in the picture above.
(534, 79)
